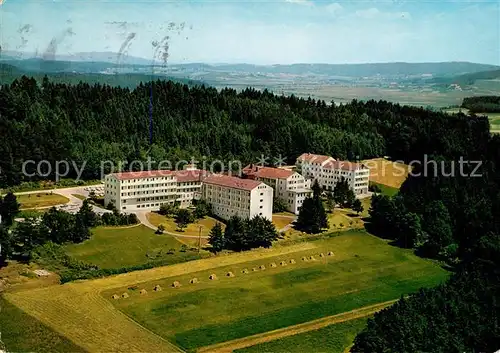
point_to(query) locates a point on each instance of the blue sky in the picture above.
(259, 32)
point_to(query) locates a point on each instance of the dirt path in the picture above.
(229, 346)
(143, 218)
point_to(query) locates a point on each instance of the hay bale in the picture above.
(330, 253)
(254, 269)
(194, 280)
(115, 296)
(143, 291)
(312, 258)
(125, 295)
(273, 264)
(157, 288)
(262, 267)
(213, 276)
(244, 271)
(321, 255)
(292, 261)
(304, 258)
(176, 284)
(230, 274)
(283, 263)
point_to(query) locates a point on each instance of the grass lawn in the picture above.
(332, 339)
(78, 196)
(364, 270)
(386, 172)
(113, 247)
(41, 200)
(280, 221)
(23, 333)
(386, 190)
(192, 229)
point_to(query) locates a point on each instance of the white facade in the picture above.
(328, 171)
(231, 196)
(148, 190)
(289, 186)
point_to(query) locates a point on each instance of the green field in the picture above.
(386, 190)
(114, 247)
(364, 270)
(494, 118)
(41, 199)
(23, 333)
(331, 339)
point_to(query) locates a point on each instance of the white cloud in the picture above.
(334, 8)
(301, 2)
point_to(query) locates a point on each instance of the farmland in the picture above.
(114, 247)
(364, 271)
(383, 171)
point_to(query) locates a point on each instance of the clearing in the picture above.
(193, 229)
(364, 271)
(385, 189)
(40, 199)
(281, 221)
(115, 247)
(383, 171)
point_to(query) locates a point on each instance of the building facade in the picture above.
(232, 196)
(328, 171)
(148, 190)
(288, 185)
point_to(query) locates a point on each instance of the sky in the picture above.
(257, 31)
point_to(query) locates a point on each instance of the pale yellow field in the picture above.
(41, 199)
(78, 311)
(386, 172)
(192, 229)
(281, 222)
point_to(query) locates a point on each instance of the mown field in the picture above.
(363, 271)
(331, 339)
(383, 171)
(114, 247)
(193, 229)
(41, 199)
(385, 189)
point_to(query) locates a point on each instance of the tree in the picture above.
(9, 207)
(235, 234)
(6, 244)
(279, 205)
(167, 209)
(343, 194)
(438, 227)
(87, 214)
(316, 189)
(183, 218)
(261, 232)
(357, 206)
(216, 238)
(330, 202)
(202, 209)
(161, 229)
(312, 216)
(59, 226)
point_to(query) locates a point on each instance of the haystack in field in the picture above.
(143, 291)
(262, 267)
(273, 264)
(283, 263)
(125, 295)
(304, 258)
(157, 288)
(292, 261)
(312, 258)
(330, 253)
(194, 280)
(244, 271)
(213, 276)
(254, 269)
(230, 274)
(321, 255)
(115, 296)
(176, 284)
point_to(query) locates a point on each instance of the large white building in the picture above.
(328, 171)
(132, 191)
(232, 196)
(288, 186)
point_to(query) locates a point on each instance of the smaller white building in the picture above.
(289, 186)
(232, 196)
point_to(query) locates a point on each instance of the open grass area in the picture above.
(192, 229)
(331, 339)
(114, 247)
(281, 221)
(383, 171)
(364, 270)
(23, 333)
(41, 199)
(78, 196)
(385, 189)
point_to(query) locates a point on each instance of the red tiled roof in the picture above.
(267, 172)
(190, 175)
(313, 158)
(344, 165)
(231, 182)
(143, 174)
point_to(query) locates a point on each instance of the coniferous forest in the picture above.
(444, 211)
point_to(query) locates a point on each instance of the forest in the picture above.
(41, 120)
(482, 104)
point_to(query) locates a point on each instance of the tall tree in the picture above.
(216, 238)
(357, 206)
(87, 215)
(6, 244)
(9, 207)
(183, 218)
